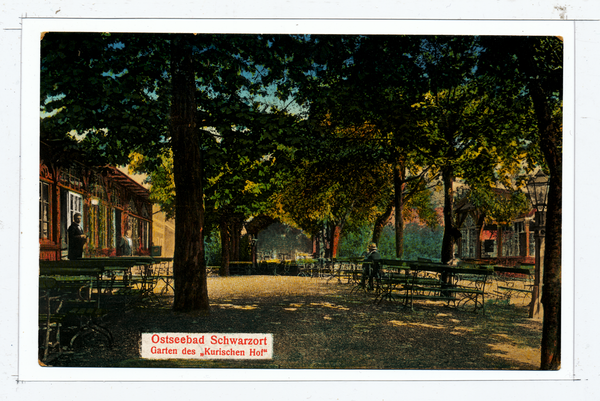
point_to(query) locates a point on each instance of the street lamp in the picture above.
(537, 187)
(538, 193)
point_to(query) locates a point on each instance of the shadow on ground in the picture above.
(327, 327)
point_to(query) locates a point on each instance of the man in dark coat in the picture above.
(77, 238)
(126, 244)
(371, 270)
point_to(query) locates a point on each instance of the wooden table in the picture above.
(96, 267)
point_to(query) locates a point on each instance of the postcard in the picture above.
(273, 200)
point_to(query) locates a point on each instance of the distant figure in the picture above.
(454, 261)
(371, 270)
(76, 237)
(125, 244)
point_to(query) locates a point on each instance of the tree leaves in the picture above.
(326, 116)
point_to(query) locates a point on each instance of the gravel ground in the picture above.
(319, 324)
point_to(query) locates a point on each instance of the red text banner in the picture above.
(206, 346)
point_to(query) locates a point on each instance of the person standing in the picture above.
(76, 237)
(371, 270)
(126, 244)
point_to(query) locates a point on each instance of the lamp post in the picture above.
(537, 187)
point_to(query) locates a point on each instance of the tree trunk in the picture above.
(336, 231)
(535, 307)
(253, 256)
(335, 240)
(551, 146)
(448, 239)
(226, 234)
(551, 289)
(237, 236)
(398, 206)
(326, 237)
(189, 266)
(381, 222)
(232, 240)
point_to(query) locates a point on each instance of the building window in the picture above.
(70, 177)
(469, 238)
(133, 225)
(44, 210)
(520, 227)
(74, 205)
(531, 244)
(132, 207)
(97, 187)
(145, 234)
(510, 243)
(102, 226)
(489, 246)
(92, 226)
(111, 227)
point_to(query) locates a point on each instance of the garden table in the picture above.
(97, 267)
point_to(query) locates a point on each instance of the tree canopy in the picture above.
(316, 130)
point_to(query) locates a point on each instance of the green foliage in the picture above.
(422, 242)
(354, 243)
(162, 191)
(212, 248)
(418, 199)
(387, 243)
(500, 207)
(419, 242)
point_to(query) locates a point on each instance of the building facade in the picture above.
(512, 243)
(110, 204)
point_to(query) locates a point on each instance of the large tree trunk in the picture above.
(448, 239)
(551, 146)
(189, 266)
(398, 206)
(551, 290)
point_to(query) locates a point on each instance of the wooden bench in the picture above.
(311, 268)
(392, 279)
(469, 283)
(424, 280)
(238, 268)
(419, 285)
(360, 283)
(347, 270)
